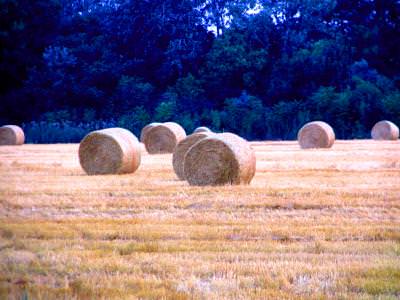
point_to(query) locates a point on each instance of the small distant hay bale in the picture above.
(146, 129)
(109, 151)
(220, 159)
(316, 134)
(182, 148)
(202, 129)
(163, 138)
(11, 135)
(385, 130)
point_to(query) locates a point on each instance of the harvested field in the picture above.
(321, 223)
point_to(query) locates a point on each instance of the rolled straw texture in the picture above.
(182, 148)
(146, 129)
(163, 138)
(11, 135)
(110, 151)
(220, 159)
(202, 129)
(316, 134)
(385, 130)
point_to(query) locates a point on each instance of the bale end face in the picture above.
(202, 129)
(163, 138)
(385, 130)
(316, 135)
(146, 129)
(109, 151)
(218, 160)
(182, 148)
(11, 135)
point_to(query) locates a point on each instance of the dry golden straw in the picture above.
(219, 159)
(109, 151)
(163, 138)
(202, 129)
(385, 130)
(146, 129)
(316, 134)
(11, 135)
(182, 148)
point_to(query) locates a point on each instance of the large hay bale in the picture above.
(182, 148)
(11, 135)
(146, 129)
(163, 138)
(385, 130)
(316, 134)
(202, 129)
(220, 159)
(109, 151)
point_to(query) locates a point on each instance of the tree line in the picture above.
(257, 68)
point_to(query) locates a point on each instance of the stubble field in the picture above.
(312, 224)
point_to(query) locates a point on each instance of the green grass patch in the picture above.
(148, 247)
(378, 281)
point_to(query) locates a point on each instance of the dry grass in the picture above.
(312, 224)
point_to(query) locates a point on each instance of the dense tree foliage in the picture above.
(258, 68)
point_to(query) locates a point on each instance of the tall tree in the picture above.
(26, 28)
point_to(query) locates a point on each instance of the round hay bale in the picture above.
(163, 138)
(182, 148)
(220, 159)
(109, 151)
(202, 129)
(146, 129)
(385, 130)
(316, 134)
(11, 135)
